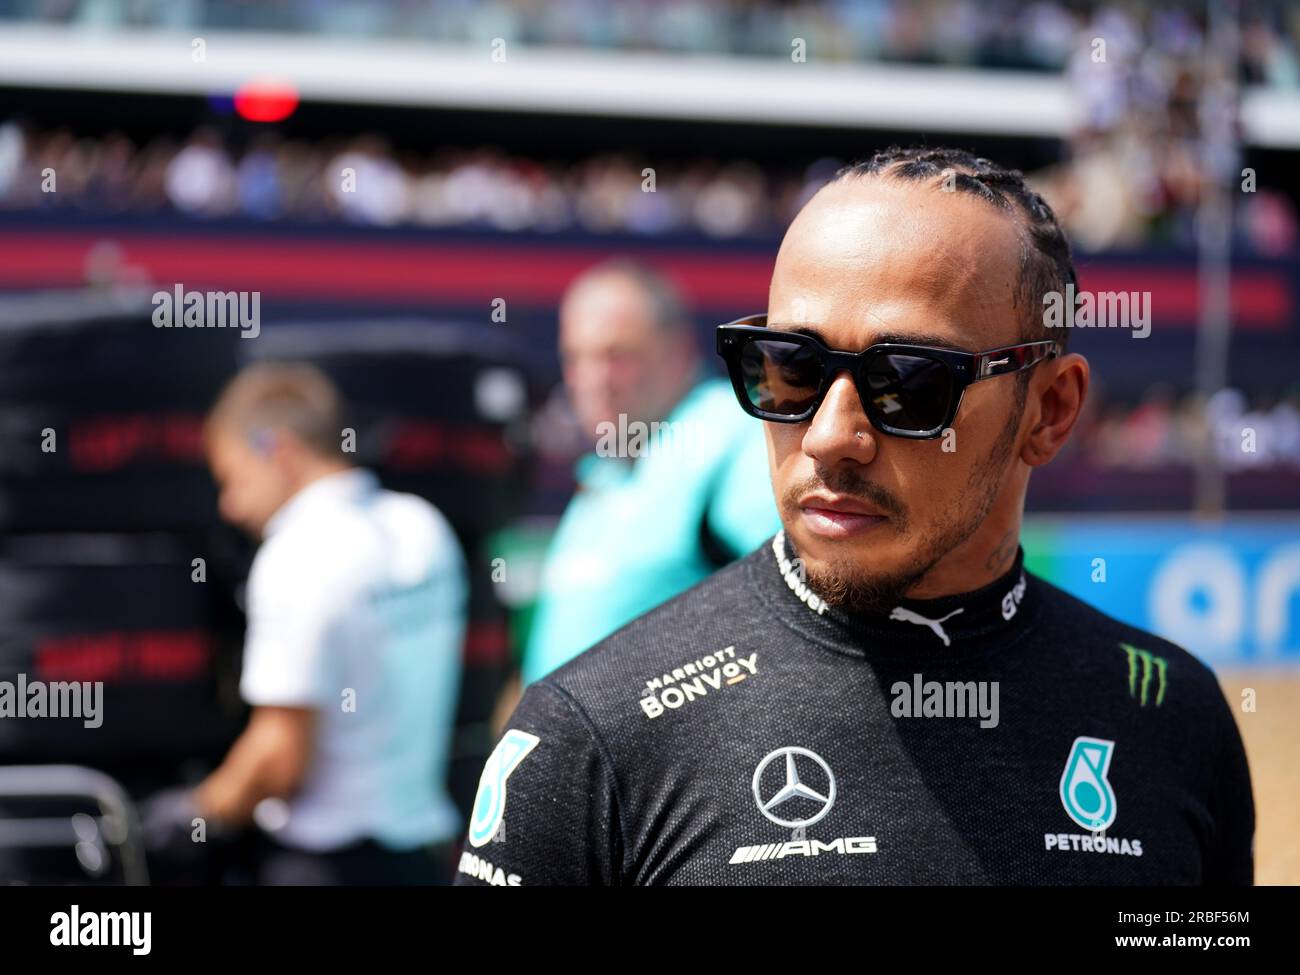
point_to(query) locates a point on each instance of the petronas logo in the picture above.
(1085, 789)
(1139, 685)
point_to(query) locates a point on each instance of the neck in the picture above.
(316, 470)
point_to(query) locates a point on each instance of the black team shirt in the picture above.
(746, 733)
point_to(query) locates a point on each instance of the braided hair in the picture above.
(1045, 262)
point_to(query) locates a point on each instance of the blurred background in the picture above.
(500, 148)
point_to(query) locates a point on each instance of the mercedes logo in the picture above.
(794, 786)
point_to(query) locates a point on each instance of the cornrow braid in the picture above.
(1045, 261)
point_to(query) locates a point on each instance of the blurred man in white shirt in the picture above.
(356, 614)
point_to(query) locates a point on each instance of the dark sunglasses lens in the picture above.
(780, 376)
(908, 392)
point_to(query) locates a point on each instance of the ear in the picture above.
(263, 442)
(1054, 402)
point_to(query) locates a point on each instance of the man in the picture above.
(677, 484)
(356, 612)
(766, 726)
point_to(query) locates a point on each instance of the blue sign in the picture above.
(1229, 592)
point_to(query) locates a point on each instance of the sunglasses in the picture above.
(909, 391)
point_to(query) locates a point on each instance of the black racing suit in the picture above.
(746, 733)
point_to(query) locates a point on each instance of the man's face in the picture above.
(252, 485)
(615, 358)
(871, 260)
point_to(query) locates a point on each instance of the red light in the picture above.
(266, 100)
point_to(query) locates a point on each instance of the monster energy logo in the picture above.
(1149, 662)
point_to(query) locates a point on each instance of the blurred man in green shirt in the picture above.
(677, 484)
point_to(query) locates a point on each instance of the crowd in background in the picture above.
(1158, 129)
(1020, 34)
(1134, 170)
(272, 178)
(1104, 197)
(1167, 429)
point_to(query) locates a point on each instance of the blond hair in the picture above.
(290, 396)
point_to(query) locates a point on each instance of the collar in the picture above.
(950, 626)
(339, 488)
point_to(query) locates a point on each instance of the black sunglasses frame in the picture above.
(964, 368)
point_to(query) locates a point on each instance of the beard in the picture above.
(846, 583)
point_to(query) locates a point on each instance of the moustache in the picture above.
(847, 483)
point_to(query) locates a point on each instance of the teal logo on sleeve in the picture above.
(1085, 791)
(490, 800)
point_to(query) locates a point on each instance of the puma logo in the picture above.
(902, 613)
